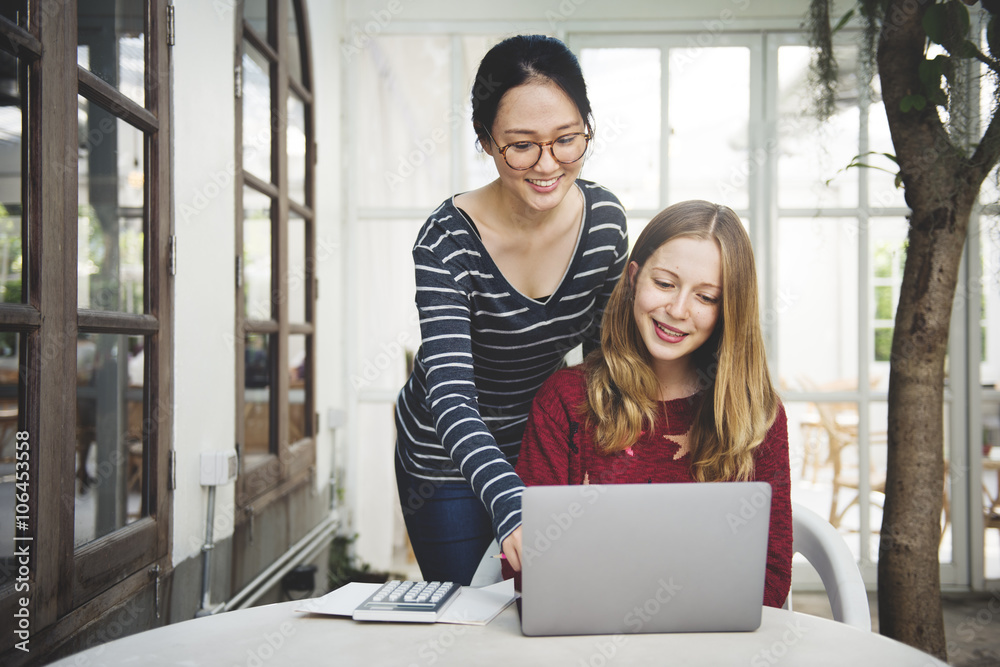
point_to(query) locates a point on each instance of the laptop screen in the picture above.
(628, 558)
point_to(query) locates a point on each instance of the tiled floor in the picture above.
(971, 624)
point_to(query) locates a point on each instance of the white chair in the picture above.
(488, 571)
(826, 551)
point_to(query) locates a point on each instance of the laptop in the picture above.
(631, 558)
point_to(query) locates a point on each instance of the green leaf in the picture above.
(967, 50)
(948, 24)
(959, 14)
(843, 21)
(856, 163)
(935, 21)
(930, 72)
(909, 102)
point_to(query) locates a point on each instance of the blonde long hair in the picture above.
(739, 404)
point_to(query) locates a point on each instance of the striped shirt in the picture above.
(486, 349)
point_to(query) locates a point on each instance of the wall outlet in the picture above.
(218, 468)
(336, 418)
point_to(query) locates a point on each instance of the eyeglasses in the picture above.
(523, 155)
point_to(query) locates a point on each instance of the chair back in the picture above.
(826, 551)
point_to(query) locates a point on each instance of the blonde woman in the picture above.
(679, 390)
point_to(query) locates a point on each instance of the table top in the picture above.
(277, 634)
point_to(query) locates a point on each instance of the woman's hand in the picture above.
(511, 548)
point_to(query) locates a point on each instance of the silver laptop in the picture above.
(628, 558)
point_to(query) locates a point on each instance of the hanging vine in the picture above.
(944, 77)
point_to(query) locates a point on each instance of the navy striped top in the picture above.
(486, 349)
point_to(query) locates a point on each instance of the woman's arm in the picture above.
(771, 465)
(544, 457)
(443, 305)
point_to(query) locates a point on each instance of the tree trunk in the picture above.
(908, 570)
(941, 184)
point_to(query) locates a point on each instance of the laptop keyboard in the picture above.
(417, 601)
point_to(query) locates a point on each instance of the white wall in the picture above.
(204, 207)
(204, 301)
(326, 19)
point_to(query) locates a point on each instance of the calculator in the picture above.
(417, 601)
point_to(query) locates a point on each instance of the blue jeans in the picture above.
(448, 526)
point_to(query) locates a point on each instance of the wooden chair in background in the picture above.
(836, 425)
(843, 456)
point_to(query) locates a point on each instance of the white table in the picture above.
(276, 634)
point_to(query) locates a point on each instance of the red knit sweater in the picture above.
(557, 448)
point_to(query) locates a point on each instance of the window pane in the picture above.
(476, 167)
(8, 452)
(110, 443)
(257, 409)
(883, 343)
(635, 227)
(989, 192)
(298, 364)
(887, 240)
(817, 299)
(111, 214)
(989, 300)
(16, 11)
(813, 156)
(624, 90)
(387, 327)
(882, 190)
(11, 205)
(991, 480)
(294, 47)
(822, 443)
(986, 296)
(296, 137)
(112, 44)
(256, 112)
(874, 472)
(255, 13)
(256, 256)
(298, 273)
(404, 123)
(883, 302)
(708, 140)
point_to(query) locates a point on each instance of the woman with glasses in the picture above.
(510, 277)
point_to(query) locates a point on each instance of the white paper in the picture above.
(479, 606)
(340, 602)
(473, 606)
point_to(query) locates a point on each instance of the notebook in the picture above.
(630, 558)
